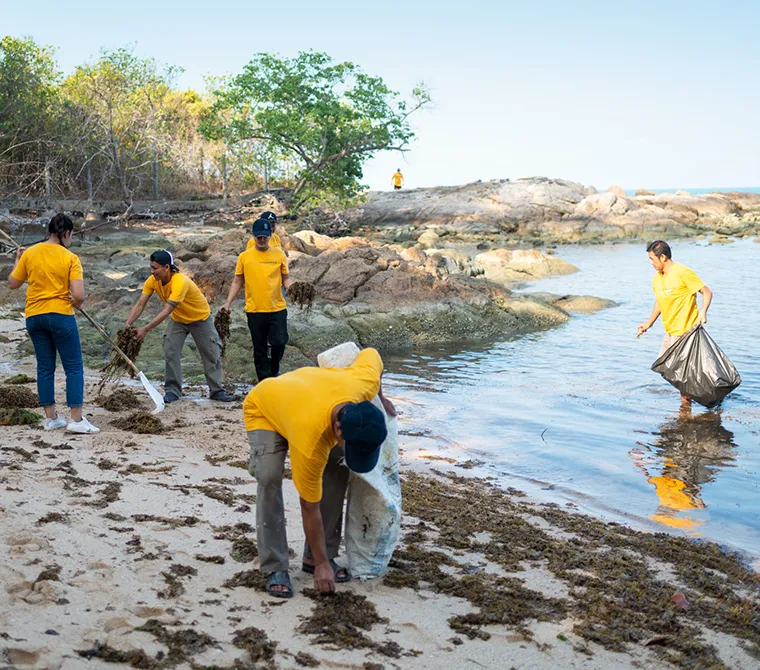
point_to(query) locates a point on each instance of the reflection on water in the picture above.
(689, 451)
(576, 416)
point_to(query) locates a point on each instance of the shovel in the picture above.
(152, 392)
(155, 396)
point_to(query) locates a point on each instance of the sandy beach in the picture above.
(139, 550)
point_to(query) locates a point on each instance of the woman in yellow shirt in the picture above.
(55, 287)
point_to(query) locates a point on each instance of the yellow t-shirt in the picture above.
(263, 272)
(675, 293)
(48, 269)
(298, 405)
(191, 306)
(274, 241)
(398, 179)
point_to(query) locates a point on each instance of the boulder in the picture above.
(428, 239)
(617, 190)
(315, 239)
(512, 267)
(585, 304)
(644, 192)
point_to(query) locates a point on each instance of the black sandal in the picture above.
(346, 577)
(279, 578)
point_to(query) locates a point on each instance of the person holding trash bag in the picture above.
(55, 287)
(190, 315)
(324, 419)
(675, 289)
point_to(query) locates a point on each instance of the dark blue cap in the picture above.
(363, 428)
(262, 228)
(163, 257)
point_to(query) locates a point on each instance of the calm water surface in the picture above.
(574, 415)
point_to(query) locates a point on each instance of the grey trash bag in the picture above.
(698, 368)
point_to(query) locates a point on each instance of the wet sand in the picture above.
(139, 549)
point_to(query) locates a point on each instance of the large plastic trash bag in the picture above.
(373, 510)
(698, 368)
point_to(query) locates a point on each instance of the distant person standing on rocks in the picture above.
(55, 288)
(675, 290)
(397, 180)
(264, 271)
(190, 315)
(324, 419)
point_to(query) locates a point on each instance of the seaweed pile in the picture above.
(302, 294)
(19, 417)
(20, 379)
(126, 340)
(615, 593)
(12, 397)
(222, 322)
(140, 422)
(120, 400)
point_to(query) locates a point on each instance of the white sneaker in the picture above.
(83, 426)
(54, 424)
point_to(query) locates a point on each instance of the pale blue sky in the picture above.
(642, 94)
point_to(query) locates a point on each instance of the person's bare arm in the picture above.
(706, 300)
(286, 281)
(644, 327)
(12, 281)
(237, 284)
(76, 286)
(138, 308)
(162, 316)
(324, 579)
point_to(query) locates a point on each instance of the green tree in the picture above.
(125, 102)
(329, 117)
(28, 109)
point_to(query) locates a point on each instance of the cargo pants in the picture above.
(209, 347)
(267, 465)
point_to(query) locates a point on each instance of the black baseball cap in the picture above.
(364, 431)
(269, 216)
(163, 257)
(261, 228)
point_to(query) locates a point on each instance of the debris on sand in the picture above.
(20, 379)
(183, 644)
(52, 517)
(222, 323)
(243, 550)
(120, 400)
(140, 422)
(250, 579)
(256, 643)
(302, 293)
(135, 658)
(339, 620)
(19, 417)
(306, 660)
(126, 340)
(17, 396)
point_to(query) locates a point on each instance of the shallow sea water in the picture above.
(574, 415)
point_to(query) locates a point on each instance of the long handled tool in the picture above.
(152, 392)
(155, 396)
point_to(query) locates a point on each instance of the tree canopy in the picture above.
(329, 117)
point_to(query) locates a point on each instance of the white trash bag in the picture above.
(373, 511)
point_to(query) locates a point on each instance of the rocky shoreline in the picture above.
(541, 211)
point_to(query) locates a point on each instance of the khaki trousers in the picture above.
(209, 347)
(267, 465)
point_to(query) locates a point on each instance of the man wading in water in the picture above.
(190, 315)
(264, 271)
(307, 413)
(675, 291)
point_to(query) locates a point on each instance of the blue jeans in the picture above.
(57, 333)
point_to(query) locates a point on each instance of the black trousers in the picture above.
(268, 329)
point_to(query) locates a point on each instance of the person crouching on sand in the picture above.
(190, 315)
(320, 416)
(55, 287)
